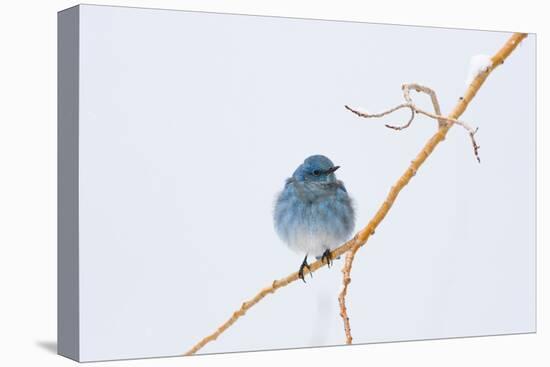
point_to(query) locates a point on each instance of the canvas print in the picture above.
(232, 183)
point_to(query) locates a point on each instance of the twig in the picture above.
(363, 235)
(346, 279)
(438, 137)
(428, 91)
(442, 120)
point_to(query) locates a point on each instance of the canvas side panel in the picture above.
(67, 186)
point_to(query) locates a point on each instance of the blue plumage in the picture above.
(314, 213)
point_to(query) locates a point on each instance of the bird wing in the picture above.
(340, 186)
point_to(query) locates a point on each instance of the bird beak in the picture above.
(331, 170)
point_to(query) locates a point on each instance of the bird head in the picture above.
(316, 168)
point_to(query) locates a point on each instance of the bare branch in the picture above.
(420, 88)
(381, 114)
(442, 120)
(342, 297)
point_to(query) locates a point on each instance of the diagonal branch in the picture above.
(363, 235)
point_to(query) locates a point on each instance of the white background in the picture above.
(186, 139)
(28, 188)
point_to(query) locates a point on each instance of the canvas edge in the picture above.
(68, 325)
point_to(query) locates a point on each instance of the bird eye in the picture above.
(316, 172)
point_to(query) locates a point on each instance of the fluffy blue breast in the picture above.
(313, 217)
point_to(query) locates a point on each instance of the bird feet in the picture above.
(301, 271)
(327, 257)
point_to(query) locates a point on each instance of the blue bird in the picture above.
(314, 213)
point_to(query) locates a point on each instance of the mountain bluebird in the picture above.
(314, 214)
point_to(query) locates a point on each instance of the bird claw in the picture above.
(327, 257)
(301, 271)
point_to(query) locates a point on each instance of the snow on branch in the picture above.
(478, 64)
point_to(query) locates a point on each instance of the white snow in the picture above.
(478, 64)
(364, 110)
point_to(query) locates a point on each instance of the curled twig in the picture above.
(442, 120)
